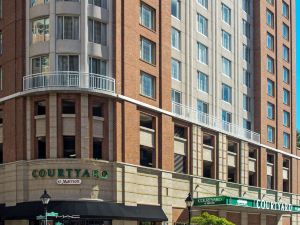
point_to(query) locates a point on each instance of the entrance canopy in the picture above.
(85, 209)
(249, 205)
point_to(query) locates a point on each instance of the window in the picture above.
(176, 96)
(270, 111)
(286, 175)
(246, 124)
(270, 88)
(68, 27)
(180, 151)
(226, 66)
(40, 108)
(226, 14)
(97, 148)
(1, 43)
(246, 78)
(1, 153)
(226, 93)
(147, 85)
(285, 31)
(226, 116)
(246, 6)
(40, 64)
(202, 25)
(270, 19)
(246, 29)
(41, 147)
(285, 53)
(270, 64)
(232, 174)
(285, 10)
(270, 41)
(286, 140)
(175, 38)
(68, 107)
(97, 110)
(147, 52)
(176, 69)
(146, 121)
(36, 2)
(286, 75)
(271, 2)
(202, 107)
(246, 53)
(270, 171)
(271, 132)
(97, 66)
(175, 8)
(97, 32)
(226, 40)
(202, 53)
(286, 97)
(40, 30)
(146, 156)
(204, 3)
(1, 78)
(69, 146)
(147, 16)
(286, 119)
(99, 3)
(246, 103)
(179, 163)
(68, 63)
(202, 82)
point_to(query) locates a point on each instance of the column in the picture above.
(222, 157)
(244, 163)
(29, 125)
(85, 136)
(166, 190)
(197, 151)
(53, 125)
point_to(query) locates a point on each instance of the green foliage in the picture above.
(207, 219)
(298, 139)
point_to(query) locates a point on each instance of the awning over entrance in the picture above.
(85, 209)
(250, 205)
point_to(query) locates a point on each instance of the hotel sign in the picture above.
(249, 203)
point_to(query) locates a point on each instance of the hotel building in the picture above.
(121, 108)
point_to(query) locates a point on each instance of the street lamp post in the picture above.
(45, 198)
(189, 203)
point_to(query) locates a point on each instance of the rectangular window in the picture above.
(226, 40)
(176, 69)
(271, 132)
(97, 32)
(226, 67)
(226, 14)
(286, 119)
(270, 41)
(270, 111)
(202, 107)
(1, 43)
(271, 2)
(286, 140)
(202, 53)
(41, 147)
(68, 63)
(99, 3)
(1, 78)
(69, 146)
(226, 116)
(202, 25)
(246, 53)
(36, 2)
(97, 110)
(202, 82)
(286, 175)
(286, 97)
(146, 156)
(147, 16)
(68, 27)
(285, 31)
(68, 107)
(270, 19)
(246, 78)
(147, 85)
(175, 39)
(270, 64)
(246, 103)
(176, 96)
(246, 6)
(286, 53)
(226, 93)
(246, 29)
(40, 108)
(286, 75)
(40, 64)
(97, 66)
(203, 3)
(97, 148)
(147, 50)
(146, 121)
(179, 163)
(175, 8)
(180, 150)
(285, 10)
(40, 30)
(270, 88)
(246, 124)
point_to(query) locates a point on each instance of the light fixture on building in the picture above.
(45, 198)
(189, 203)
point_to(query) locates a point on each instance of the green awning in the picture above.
(256, 205)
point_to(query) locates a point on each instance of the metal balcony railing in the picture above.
(214, 123)
(69, 79)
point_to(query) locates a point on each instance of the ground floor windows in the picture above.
(41, 147)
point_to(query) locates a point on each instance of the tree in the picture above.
(298, 138)
(207, 219)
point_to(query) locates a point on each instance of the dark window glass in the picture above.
(40, 108)
(146, 121)
(97, 110)
(179, 163)
(1, 153)
(252, 153)
(97, 148)
(69, 146)
(207, 169)
(146, 157)
(252, 179)
(1, 116)
(179, 131)
(232, 175)
(286, 185)
(270, 182)
(286, 163)
(68, 107)
(232, 147)
(270, 158)
(208, 140)
(41, 147)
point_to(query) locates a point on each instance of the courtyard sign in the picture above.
(249, 203)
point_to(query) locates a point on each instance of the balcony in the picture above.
(206, 120)
(68, 80)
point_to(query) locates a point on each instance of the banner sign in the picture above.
(250, 203)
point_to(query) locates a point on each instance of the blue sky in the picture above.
(298, 62)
